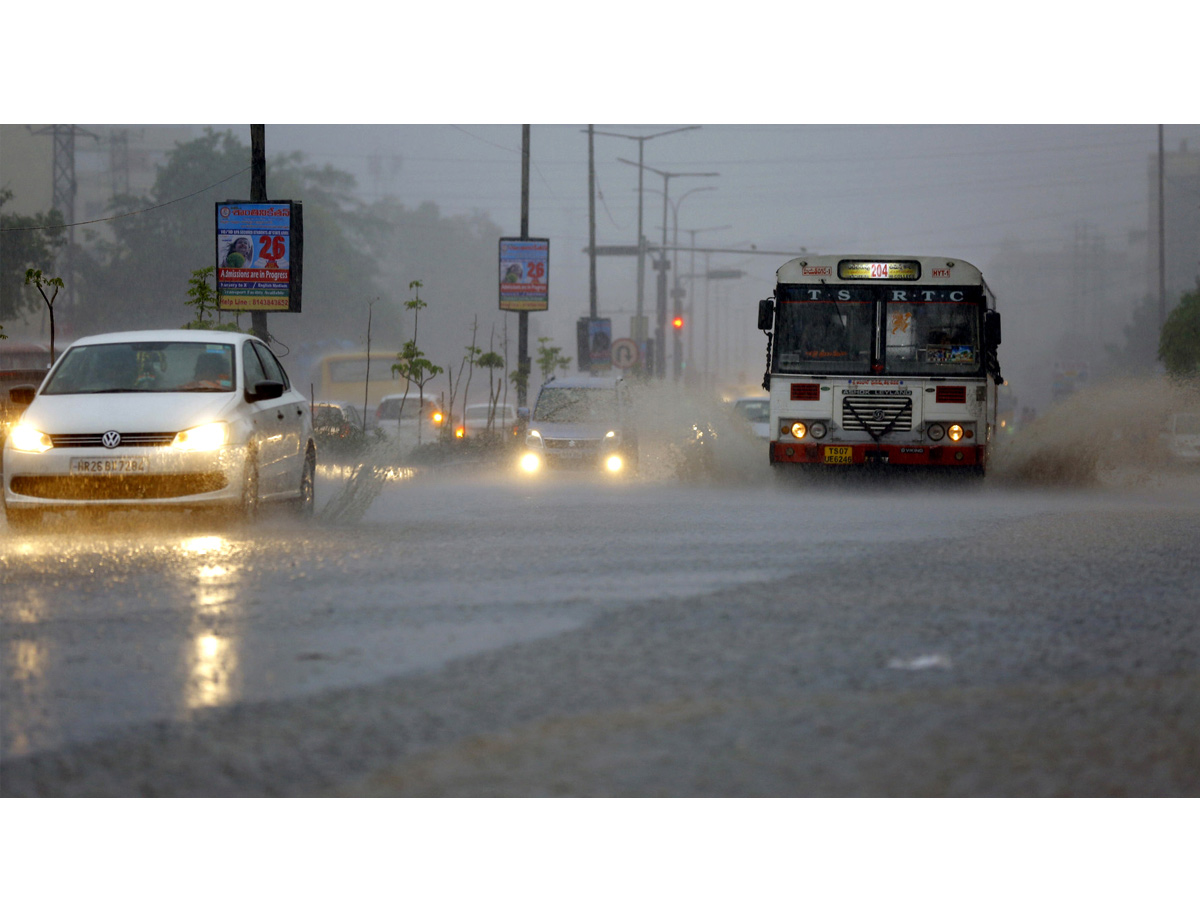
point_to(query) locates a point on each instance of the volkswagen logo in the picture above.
(111, 439)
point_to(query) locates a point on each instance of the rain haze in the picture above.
(694, 625)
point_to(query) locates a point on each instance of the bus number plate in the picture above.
(839, 455)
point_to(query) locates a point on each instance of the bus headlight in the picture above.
(955, 432)
(817, 430)
(799, 430)
(935, 432)
(29, 440)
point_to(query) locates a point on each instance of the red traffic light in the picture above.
(677, 323)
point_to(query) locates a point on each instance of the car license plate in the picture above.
(839, 455)
(114, 465)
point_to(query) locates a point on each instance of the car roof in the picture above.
(166, 334)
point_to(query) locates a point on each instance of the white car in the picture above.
(475, 419)
(1181, 437)
(757, 412)
(407, 427)
(161, 419)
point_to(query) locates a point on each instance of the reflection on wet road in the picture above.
(144, 620)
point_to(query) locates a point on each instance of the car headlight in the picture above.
(534, 439)
(610, 438)
(531, 462)
(203, 437)
(29, 439)
(614, 464)
(936, 432)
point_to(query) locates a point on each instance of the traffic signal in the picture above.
(677, 323)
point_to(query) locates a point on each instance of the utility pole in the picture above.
(523, 362)
(592, 221)
(1162, 235)
(258, 194)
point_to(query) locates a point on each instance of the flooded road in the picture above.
(481, 634)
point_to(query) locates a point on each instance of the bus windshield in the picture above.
(864, 330)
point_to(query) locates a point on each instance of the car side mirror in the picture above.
(22, 394)
(265, 390)
(766, 314)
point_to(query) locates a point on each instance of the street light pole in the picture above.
(638, 332)
(661, 306)
(677, 365)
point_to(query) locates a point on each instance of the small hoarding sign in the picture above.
(524, 274)
(258, 256)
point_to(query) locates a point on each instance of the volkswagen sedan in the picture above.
(161, 419)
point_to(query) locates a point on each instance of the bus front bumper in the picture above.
(835, 454)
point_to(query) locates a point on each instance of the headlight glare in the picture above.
(613, 464)
(29, 440)
(531, 462)
(799, 430)
(955, 432)
(212, 436)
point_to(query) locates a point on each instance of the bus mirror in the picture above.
(991, 328)
(766, 314)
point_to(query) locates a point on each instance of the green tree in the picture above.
(26, 242)
(412, 364)
(550, 358)
(161, 237)
(41, 282)
(204, 302)
(1179, 344)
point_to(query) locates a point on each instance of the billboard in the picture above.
(524, 274)
(259, 256)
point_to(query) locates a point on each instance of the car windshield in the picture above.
(144, 367)
(575, 404)
(390, 409)
(755, 410)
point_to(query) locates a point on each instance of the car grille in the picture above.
(112, 487)
(585, 446)
(877, 412)
(131, 439)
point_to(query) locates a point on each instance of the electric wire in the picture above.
(136, 212)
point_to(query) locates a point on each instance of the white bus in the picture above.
(875, 361)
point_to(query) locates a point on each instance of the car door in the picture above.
(270, 423)
(295, 420)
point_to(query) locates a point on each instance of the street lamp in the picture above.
(677, 292)
(641, 269)
(661, 323)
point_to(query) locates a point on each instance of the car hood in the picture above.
(91, 413)
(571, 431)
